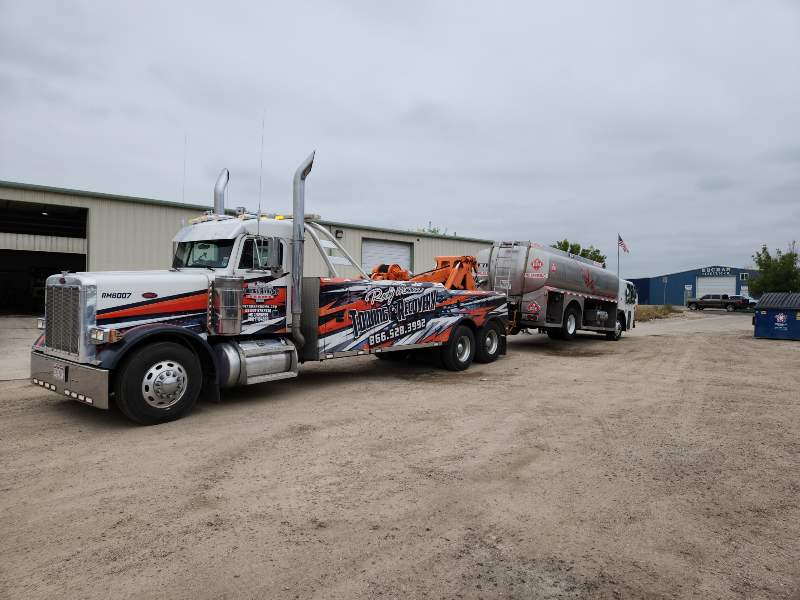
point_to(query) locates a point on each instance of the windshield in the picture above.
(203, 254)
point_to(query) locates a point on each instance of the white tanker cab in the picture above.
(236, 309)
(553, 291)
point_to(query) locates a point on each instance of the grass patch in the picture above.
(647, 312)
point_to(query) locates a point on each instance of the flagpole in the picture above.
(618, 238)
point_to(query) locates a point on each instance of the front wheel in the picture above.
(617, 333)
(730, 307)
(158, 383)
(458, 353)
(489, 343)
(693, 306)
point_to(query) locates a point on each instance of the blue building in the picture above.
(677, 288)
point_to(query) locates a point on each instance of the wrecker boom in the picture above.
(454, 272)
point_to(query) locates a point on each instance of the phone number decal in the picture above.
(396, 332)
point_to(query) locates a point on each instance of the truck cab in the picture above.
(626, 305)
(237, 308)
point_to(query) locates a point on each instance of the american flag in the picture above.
(621, 243)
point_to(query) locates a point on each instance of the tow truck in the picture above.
(236, 309)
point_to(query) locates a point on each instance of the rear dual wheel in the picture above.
(459, 352)
(464, 346)
(489, 342)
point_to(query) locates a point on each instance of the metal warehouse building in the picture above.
(677, 288)
(45, 230)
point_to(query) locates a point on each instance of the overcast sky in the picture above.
(675, 123)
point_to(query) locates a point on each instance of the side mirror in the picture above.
(274, 253)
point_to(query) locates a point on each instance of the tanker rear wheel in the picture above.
(553, 333)
(571, 323)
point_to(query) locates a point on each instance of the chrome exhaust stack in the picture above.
(298, 240)
(219, 192)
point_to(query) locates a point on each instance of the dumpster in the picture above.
(777, 316)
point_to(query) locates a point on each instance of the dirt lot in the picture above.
(664, 465)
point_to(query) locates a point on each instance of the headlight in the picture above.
(97, 335)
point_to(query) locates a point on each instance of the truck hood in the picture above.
(133, 297)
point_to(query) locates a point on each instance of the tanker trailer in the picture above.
(553, 291)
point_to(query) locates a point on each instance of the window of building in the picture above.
(744, 276)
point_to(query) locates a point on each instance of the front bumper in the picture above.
(72, 380)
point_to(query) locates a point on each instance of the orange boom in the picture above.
(454, 272)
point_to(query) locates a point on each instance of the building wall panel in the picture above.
(42, 243)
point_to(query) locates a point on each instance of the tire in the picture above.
(554, 334)
(693, 306)
(178, 377)
(458, 353)
(396, 356)
(489, 343)
(570, 324)
(617, 333)
(730, 307)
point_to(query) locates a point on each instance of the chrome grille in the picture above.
(63, 318)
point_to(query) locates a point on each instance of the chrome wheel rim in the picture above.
(463, 349)
(571, 323)
(164, 384)
(619, 328)
(491, 341)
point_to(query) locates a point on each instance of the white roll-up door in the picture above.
(716, 285)
(376, 252)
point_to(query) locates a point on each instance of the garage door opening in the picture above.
(716, 285)
(37, 240)
(23, 275)
(385, 252)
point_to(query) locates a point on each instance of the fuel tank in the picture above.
(519, 268)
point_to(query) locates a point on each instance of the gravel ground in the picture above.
(663, 465)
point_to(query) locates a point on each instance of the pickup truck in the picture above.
(729, 303)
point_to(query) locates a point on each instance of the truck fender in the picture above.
(112, 355)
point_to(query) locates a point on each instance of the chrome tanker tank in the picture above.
(519, 268)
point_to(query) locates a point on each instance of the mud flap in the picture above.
(210, 391)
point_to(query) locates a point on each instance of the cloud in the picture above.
(673, 124)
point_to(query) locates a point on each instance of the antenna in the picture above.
(183, 182)
(260, 175)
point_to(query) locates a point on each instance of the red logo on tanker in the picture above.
(537, 264)
(553, 267)
(588, 279)
(533, 307)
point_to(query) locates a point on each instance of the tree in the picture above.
(431, 228)
(591, 252)
(779, 273)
